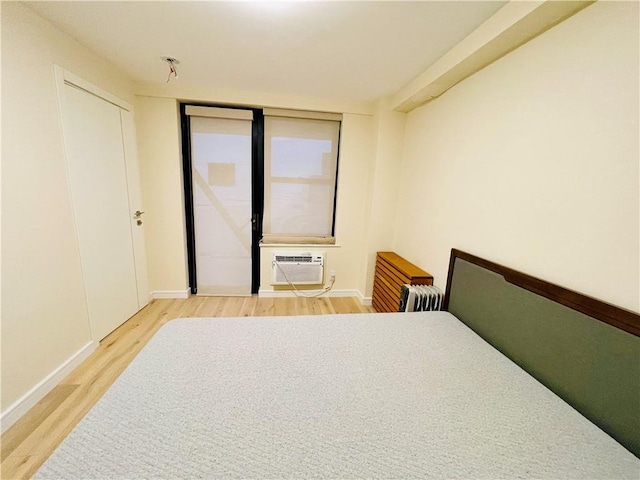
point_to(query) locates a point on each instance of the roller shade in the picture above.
(301, 157)
(215, 112)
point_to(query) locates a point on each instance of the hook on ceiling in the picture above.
(172, 61)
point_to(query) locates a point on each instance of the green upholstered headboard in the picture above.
(584, 350)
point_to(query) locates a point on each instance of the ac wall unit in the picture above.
(297, 269)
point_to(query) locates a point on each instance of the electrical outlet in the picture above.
(332, 274)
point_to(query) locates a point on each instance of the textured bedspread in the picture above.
(414, 395)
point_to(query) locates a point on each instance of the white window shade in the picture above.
(221, 180)
(300, 176)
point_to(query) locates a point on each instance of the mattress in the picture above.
(412, 395)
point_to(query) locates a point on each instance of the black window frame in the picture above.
(257, 188)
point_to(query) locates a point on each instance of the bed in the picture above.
(517, 379)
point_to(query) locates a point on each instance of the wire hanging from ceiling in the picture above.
(172, 66)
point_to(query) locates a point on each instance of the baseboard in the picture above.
(171, 293)
(364, 300)
(264, 293)
(21, 406)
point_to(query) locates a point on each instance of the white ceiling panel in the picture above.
(356, 50)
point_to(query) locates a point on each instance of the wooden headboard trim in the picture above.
(618, 317)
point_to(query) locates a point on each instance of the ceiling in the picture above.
(357, 50)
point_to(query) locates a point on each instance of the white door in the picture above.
(221, 170)
(95, 152)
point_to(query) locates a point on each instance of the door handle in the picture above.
(137, 214)
(255, 220)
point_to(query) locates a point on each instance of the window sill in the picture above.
(272, 239)
(299, 245)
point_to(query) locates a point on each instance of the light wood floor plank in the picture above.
(281, 307)
(19, 432)
(21, 467)
(265, 307)
(248, 306)
(199, 303)
(28, 443)
(232, 307)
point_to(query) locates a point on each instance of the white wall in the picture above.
(44, 315)
(382, 197)
(533, 161)
(160, 157)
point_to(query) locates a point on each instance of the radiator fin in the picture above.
(420, 298)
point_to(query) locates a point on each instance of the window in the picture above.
(281, 188)
(300, 172)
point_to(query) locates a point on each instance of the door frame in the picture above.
(257, 190)
(132, 175)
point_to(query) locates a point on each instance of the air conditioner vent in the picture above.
(287, 258)
(297, 269)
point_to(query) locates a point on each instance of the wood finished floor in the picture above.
(31, 440)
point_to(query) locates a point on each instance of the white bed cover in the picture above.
(411, 395)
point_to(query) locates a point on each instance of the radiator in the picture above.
(297, 269)
(420, 298)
